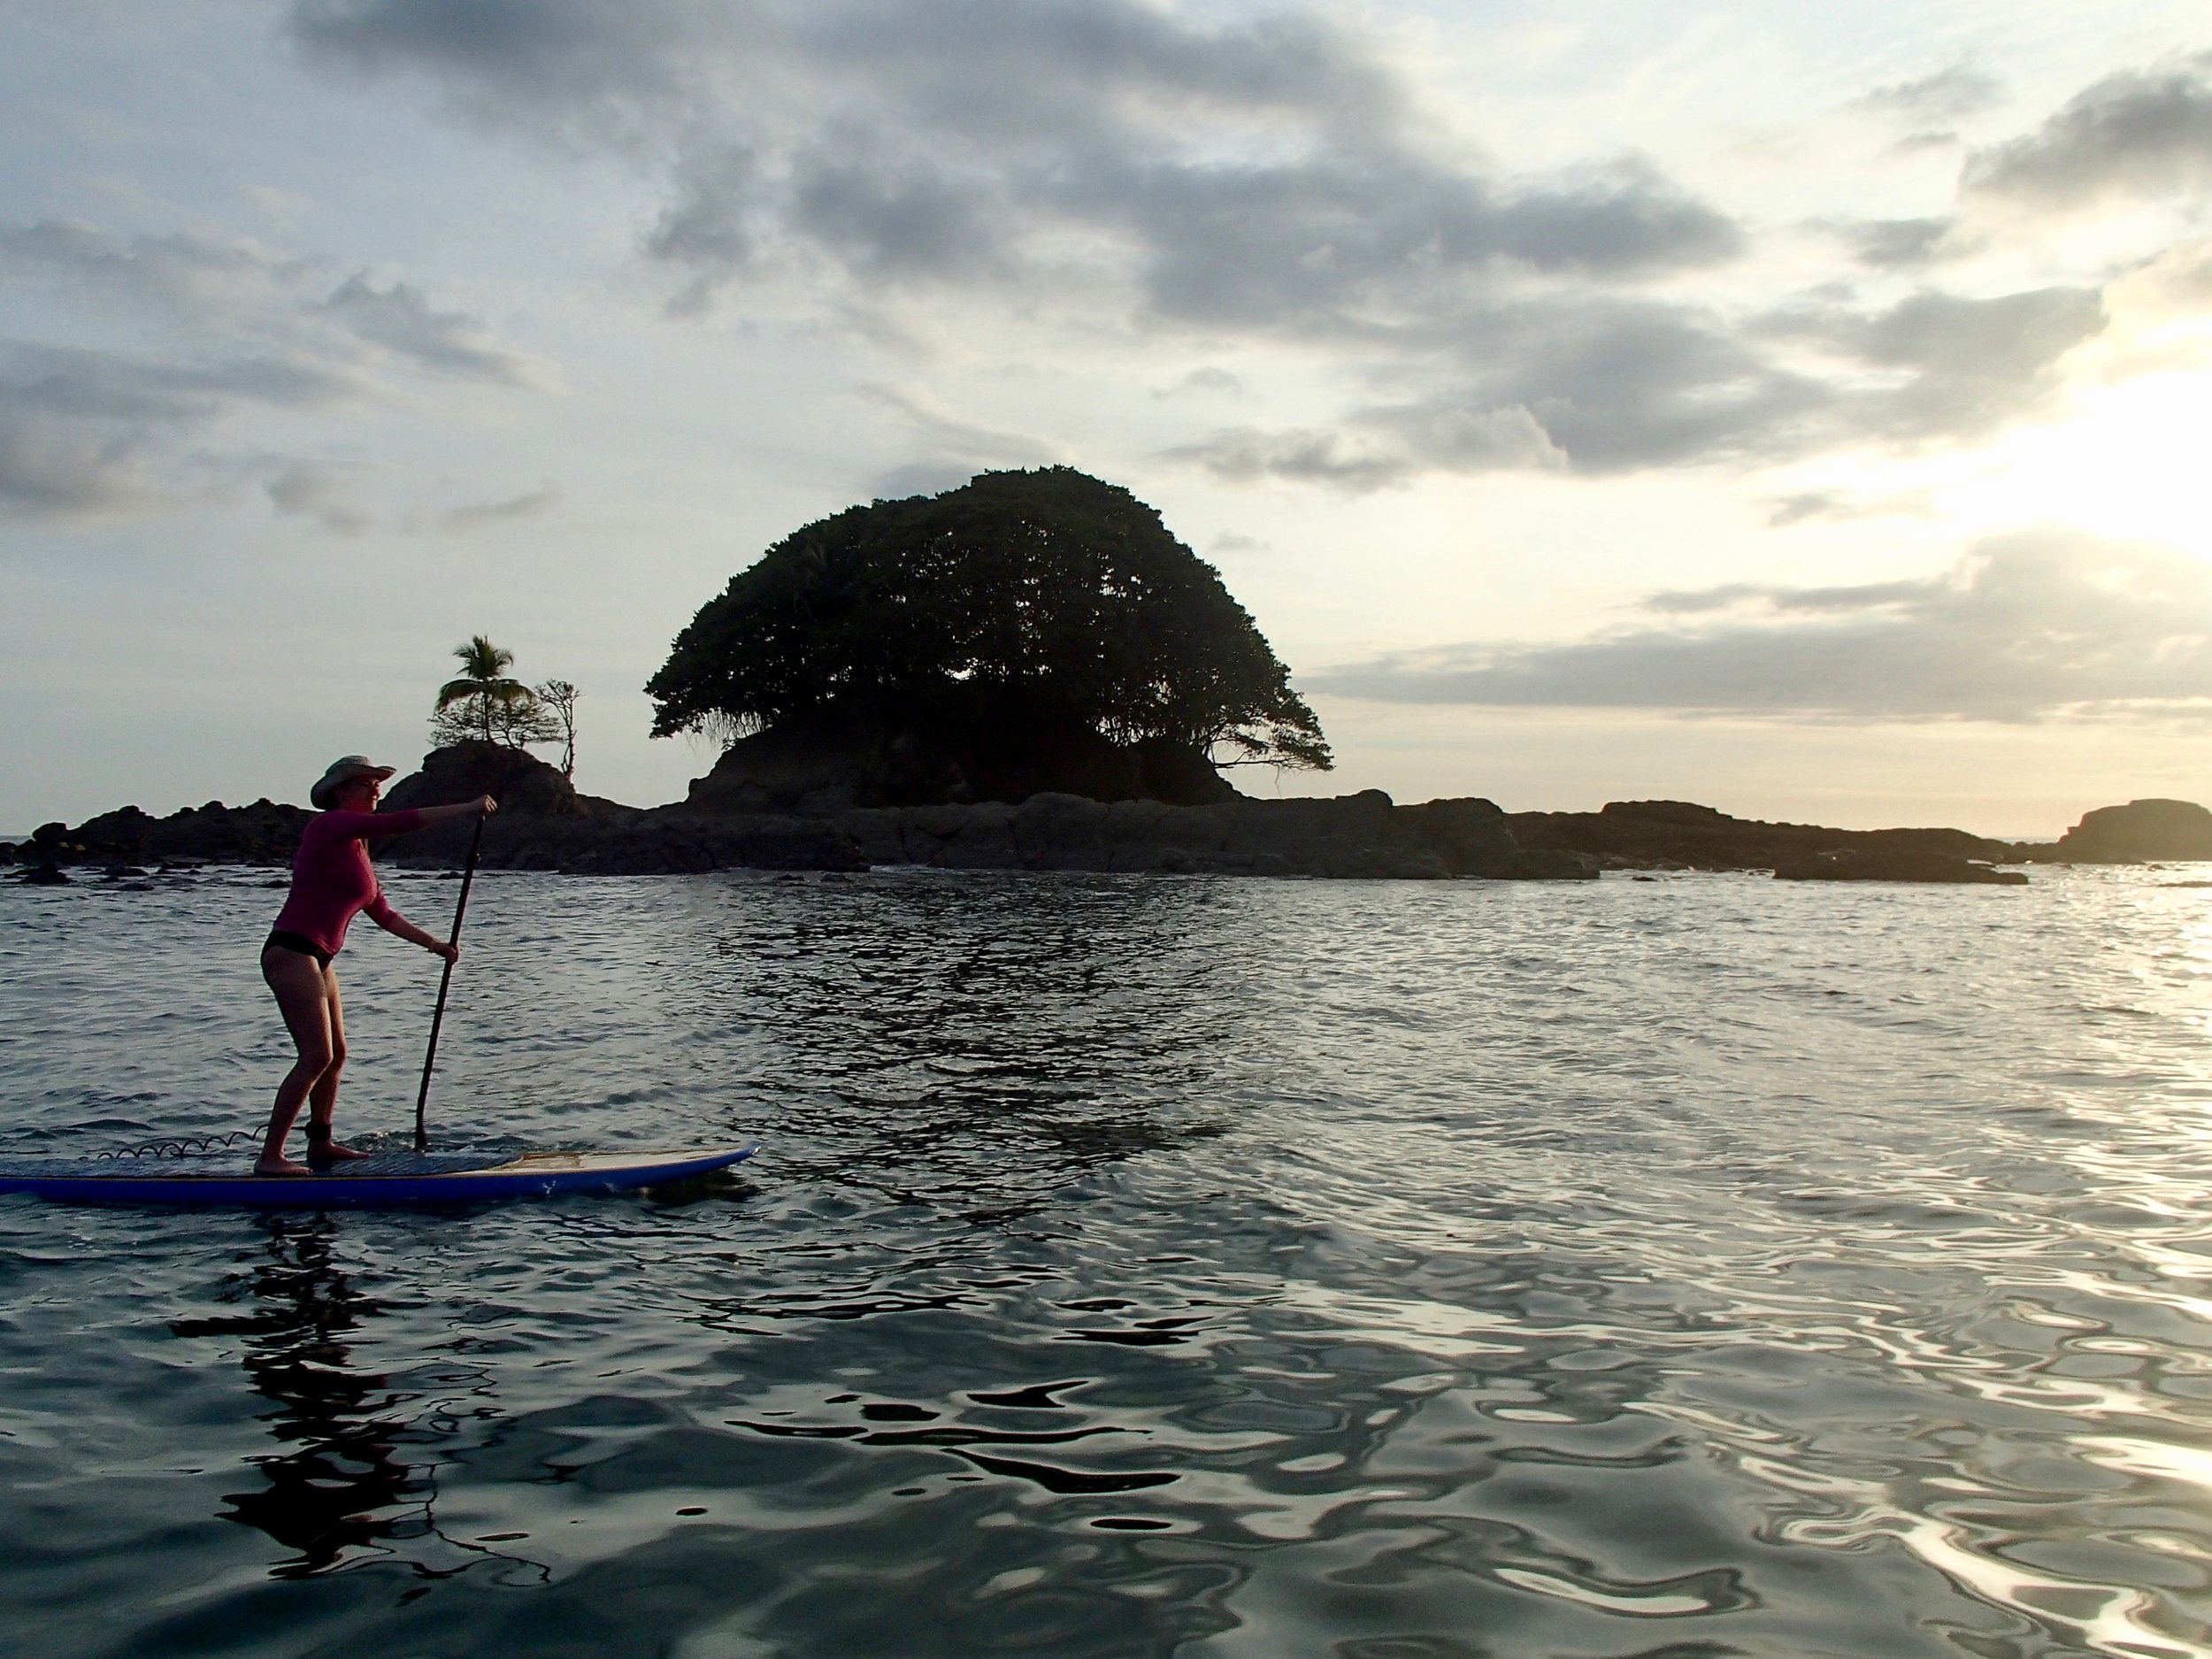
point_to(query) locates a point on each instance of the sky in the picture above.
(1801, 410)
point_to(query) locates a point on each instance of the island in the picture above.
(1027, 672)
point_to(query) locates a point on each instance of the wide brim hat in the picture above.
(343, 770)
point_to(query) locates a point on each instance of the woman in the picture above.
(332, 882)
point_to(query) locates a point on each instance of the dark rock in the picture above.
(44, 876)
(263, 833)
(1535, 863)
(518, 780)
(1361, 835)
(2141, 830)
(1682, 836)
(1179, 774)
(821, 767)
(1893, 864)
(829, 765)
(671, 842)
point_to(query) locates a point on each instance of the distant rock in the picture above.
(827, 766)
(539, 809)
(1893, 864)
(1361, 835)
(262, 833)
(1682, 836)
(517, 779)
(2139, 831)
(544, 824)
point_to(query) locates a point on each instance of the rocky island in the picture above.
(545, 823)
(1028, 672)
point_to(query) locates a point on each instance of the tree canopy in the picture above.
(1046, 589)
(485, 705)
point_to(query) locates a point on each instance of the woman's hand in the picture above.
(438, 947)
(486, 806)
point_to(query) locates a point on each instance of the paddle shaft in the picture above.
(445, 980)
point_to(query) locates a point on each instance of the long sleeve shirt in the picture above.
(333, 880)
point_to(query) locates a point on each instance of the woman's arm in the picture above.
(371, 825)
(379, 910)
(483, 806)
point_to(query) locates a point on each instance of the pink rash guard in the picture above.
(332, 880)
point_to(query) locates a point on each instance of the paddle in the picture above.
(445, 980)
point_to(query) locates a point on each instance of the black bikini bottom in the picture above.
(282, 939)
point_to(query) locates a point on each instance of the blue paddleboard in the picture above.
(388, 1180)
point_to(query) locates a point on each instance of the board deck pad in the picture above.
(394, 1177)
(196, 1165)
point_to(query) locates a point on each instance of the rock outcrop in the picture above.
(264, 832)
(1680, 835)
(1359, 835)
(1895, 864)
(517, 779)
(2133, 833)
(544, 824)
(835, 766)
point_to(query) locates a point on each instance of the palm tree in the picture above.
(489, 699)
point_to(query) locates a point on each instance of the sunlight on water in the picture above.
(1705, 1266)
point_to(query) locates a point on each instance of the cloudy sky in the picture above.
(1798, 409)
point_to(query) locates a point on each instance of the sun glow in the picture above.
(2129, 463)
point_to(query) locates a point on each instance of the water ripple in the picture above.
(1135, 1266)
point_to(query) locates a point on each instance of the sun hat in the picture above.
(344, 770)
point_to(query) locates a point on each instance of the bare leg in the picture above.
(323, 1098)
(303, 998)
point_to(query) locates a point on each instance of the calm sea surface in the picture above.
(1236, 1269)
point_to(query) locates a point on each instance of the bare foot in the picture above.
(332, 1152)
(279, 1166)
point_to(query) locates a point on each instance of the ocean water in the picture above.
(1238, 1270)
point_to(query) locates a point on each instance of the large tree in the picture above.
(1038, 591)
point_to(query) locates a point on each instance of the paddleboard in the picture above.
(388, 1180)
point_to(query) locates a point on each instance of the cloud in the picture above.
(1963, 367)
(1243, 455)
(1266, 174)
(1949, 94)
(948, 450)
(303, 491)
(1208, 380)
(1387, 446)
(401, 321)
(1808, 505)
(229, 329)
(482, 515)
(1607, 386)
(1885, 243)
(2026, 627)
(1270, 182)
(2143, 134)
(84, 434)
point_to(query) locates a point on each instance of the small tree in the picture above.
(486, 705)
(558, 699)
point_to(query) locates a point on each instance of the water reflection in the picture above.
(975, 1042)
(341, 1487)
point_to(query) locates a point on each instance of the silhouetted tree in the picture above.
(485, 705)
(1039, 590)
(558, 698)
